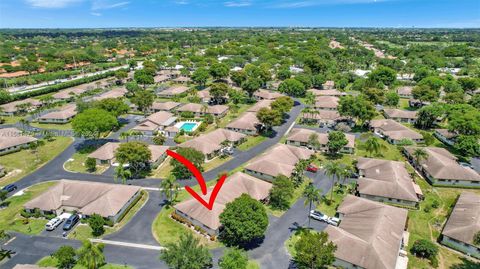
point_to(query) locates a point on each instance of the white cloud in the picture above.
(181, 2)
(96, 14)
(309, 3)
(237, 3)
(52, 3)
(107, 4)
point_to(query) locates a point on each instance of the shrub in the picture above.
(91, 164)
(424, 249)
(96, 222)
(476, 238)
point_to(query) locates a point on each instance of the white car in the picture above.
(53, 223)
(318, 216)
(333, 221)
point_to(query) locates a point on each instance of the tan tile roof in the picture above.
(10, 137)
(406, 90)
(236, 185)
(198, 108)
(269, 95)
(279, 160)
(369, 234)
(323, 115)
(77, 90)
(86, 197)
(260, 104)
(62, 114)
(325, 101)
(327, 92)
(12, 106)
(114, 93)
(107, 151)
(152, 122)
(174, 90)
(386, 179)
(166, 106)
(303, 135)
(395, 130)
(181, 79)
(441, 164)
(446, 133)
(464, 221)
(160, 78)
(399, 113)
(247, 121)
(211, 142)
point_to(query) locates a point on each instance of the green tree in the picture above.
(356, 107)
(384, 75)
(425, 93)
(425, 249)
(427, 115)
(282, 104)
(373, 146)
(65, 257)
(292, 87)
(468, 145)
(115, 106)
(336, 141)
(392, 99)
(194, 156)
(122, 174)
(420, 155)
(476, 238)
(312, 196)
(143, 99)
(219, 92)
(233, 258)
(332, 170)
(219, 71)
(200, 76)
(91, 255)
(91, 164)
(187, 253)
(136, 154)
(269, 117)
(159, 139)
(143, 77)
(464, 119)
(238, 77)
(170, 189)
(281, 193)
(5, 96)
(251, 85)
(314, 251)
(244, 221)
(121, 74)
(313, 141)
(96, 223)
(91, 123)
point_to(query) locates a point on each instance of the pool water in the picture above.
(188, 126)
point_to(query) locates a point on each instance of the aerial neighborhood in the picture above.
(315, 148)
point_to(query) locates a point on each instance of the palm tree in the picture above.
(125, 135)
(346, 171)
(5, 254)
(312, 196)
(420, 155)
(34, 147)
(373, 145)
(91, 255)
(170, 188)
(122, 173)
(332, 170)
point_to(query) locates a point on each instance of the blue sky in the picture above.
(169, 13)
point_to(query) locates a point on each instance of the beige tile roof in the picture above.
(12, 106)
(386, 179)
(326, 101)
(464, 221)
(446, 133)
(165, 106)
(198, 108)
(174, 90)
(279, 160)
(107, 151)
(86, 197)
(114, 93)
(62, 114)
(303, 135)
(10, 137)
(152, 122)
(441, 164)
(327, 92)
(399, 113)
(406, 90)
(323, 115)
(369, 234)
(77, 90)
(247, 121)
(269, 95)
(260, 104)
(181, 79)
(395, 130)
(236, 185)
(205, 93)
(160, 78)
(211, 142)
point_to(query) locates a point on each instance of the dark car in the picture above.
(312, 168)
(71, 221)
(9, 188)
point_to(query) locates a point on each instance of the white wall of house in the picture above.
(13, 149)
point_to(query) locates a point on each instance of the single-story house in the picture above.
(156, 122)
(12, 139)
(170, 73)
(387, 181)
(173, 91)
(181, 80)
(446, 136)
(405, 92)
(394, 132)
(85, 197)
(266, 95)
(160, 79)
(322, 117)
(106, 154)
(462, 225)
(278, 160)
(62, 116)
(26, 105)
(441, 168)
(328, 85)
(400, 115)
(260, 104)
(164, 106)
(201, 110)
(211, 143)
(113, 93)
(326, 102)
(247, 123)
(194, 213)
(417, 103)
(370, 234)
(332, 92)
(204, 95)
(300, 137)
(69, 93)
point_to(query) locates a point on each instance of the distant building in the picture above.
(394, 132)
(405, 92)
(173, 91)
(26, 105)
(62, 116)
(247, 123)
(156, 122)
(399, 115)
(326, 102)
(12, 139)
(266, 95)
(106, 154)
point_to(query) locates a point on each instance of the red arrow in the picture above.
(201, 181)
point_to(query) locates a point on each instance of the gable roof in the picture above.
(323, 115)
(10, 137)
(63, 114)
(326, 101)
(269, 95)
(166, 106)
(369, 234)
(303, 135)
(236, 185)
(247, 121)
(395, 130)
(211, 142)
(386, 179)
(198, 108)
(406, 90)
(399, 113)
(12, 106)
(260, 104)
(464, 221)
(152, 122)
(327, 92)
(113, 93)
(107, 151)
(174, 90)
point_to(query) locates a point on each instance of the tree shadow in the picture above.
(466, 264)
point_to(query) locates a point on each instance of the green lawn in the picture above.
(24, 162)
(66, 126)
(251, 142)
(253, 265)
(163, 170)
(11, 119)
(52, 262)
(296, 195)
(330, 208)
(84, 231)
(389, 151)
(10, 218)
(216, 162)
(77, 164)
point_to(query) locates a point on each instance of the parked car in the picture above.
(333, 221)
(53, 223)
(228, 150)
(71, 221)
(318, 215)
(312, 168)
(9, 187)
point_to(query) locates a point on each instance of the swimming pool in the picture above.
(188, 126)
